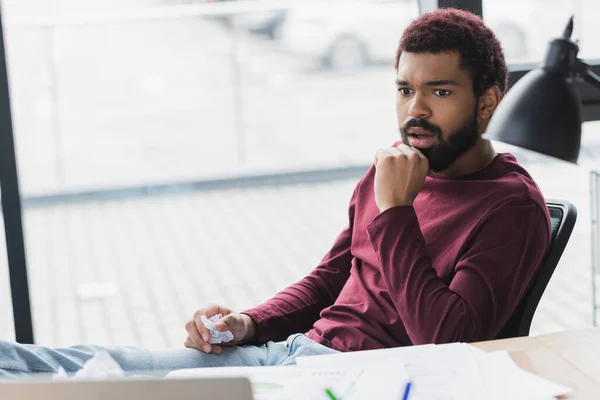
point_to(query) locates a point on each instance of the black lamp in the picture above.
(542, 111)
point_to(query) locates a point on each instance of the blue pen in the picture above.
(406, 390)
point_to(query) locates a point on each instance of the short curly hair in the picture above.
(449, 29)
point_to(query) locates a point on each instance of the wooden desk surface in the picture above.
(571, 358)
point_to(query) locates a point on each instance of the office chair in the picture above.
(563, 216)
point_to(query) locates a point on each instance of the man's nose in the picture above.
(418, 108)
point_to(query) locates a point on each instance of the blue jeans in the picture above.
(19, 360)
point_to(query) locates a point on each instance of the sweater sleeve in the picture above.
(297, 308)
(497, 266)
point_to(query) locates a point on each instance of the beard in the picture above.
(441, 156)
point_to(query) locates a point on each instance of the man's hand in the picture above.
(399, 176)
(241, 325)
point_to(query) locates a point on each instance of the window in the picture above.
(524, 27)
(115, 97)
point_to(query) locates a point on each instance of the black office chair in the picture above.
(563, 216)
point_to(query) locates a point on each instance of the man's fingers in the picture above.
(208, 312)
(194, 334)
(381, 155)
(409, 151)
(206, 347)
(205, 333)
(216, 309)
(227, 323)
(199, 335)
(189, 343)
(419, 153)
(202, 330)
(212, 349)
(221, 326)
(394, 151)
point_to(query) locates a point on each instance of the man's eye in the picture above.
(442, 93)
(404, 91)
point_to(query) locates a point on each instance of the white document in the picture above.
(386, 371)
(384, 376)
(284, 383)
(503, 379)
(456, 371)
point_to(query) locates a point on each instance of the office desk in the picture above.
(571, 358)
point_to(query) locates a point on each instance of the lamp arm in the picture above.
(592, 78)
(583, 70)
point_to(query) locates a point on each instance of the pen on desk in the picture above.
(330, 394)
(406, 390)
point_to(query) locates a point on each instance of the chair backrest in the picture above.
(563, 216)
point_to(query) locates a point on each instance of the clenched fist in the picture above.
(241, 326)
(399, 176)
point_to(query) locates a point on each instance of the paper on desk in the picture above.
(449, 371)
(383, 374)
(388, 370)
(283, 383)
(514, 383)
(446, 371)
(461, 371)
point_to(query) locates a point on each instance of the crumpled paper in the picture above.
(215, 335)
(100, 366)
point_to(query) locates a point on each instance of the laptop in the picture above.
(128, 389)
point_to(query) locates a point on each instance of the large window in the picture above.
(141, 92)
(587, 28)
(114, 100)
(117, 95)
(526, 26)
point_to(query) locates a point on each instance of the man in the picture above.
(444, 236)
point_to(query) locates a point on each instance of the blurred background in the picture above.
(174, 153)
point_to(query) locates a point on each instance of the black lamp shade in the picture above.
(541, 112)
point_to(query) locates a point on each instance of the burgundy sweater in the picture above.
(452, 267)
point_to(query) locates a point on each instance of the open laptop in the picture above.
(128, 389)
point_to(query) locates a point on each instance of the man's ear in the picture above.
(488, 102)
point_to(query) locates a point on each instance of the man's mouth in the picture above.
(421, 138)
(419, 133)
